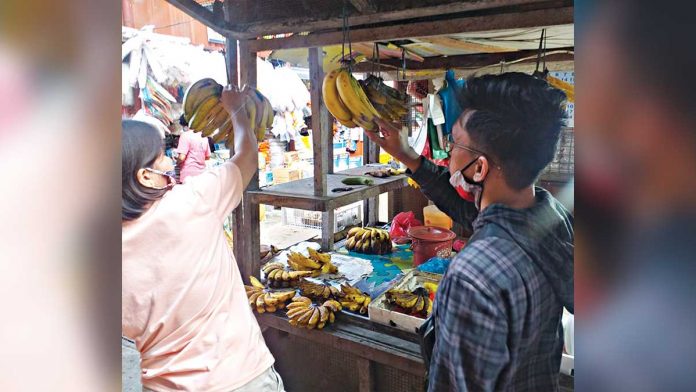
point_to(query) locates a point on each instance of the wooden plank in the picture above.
(536, 18)
(328, 218)
(373, 202)
(363, 6)
(232, 60)
(251, 237)
(300, 193)
(465, 60)
(365, 383)
(453, 43)
(319, 17)
(205, 16)
(320, 129)
(378, 346)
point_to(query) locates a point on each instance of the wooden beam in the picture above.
(385, 11)
(205, 16)
(463, 61)
(363, 6)
(537, 18)
(458, 44)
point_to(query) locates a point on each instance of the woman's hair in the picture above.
(141, 145)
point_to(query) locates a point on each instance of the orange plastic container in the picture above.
(434, 217)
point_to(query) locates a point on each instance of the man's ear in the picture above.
(145, 178)
(482, 168)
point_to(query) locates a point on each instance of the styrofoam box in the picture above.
(379, 311)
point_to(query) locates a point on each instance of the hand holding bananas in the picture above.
(208, 108)
(264, 300)
(304, 314)
(394, 144)
(369, 240)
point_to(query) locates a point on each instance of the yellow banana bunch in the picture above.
(205, 113)
(278, 276)
(318, 263)
(346, 100)
(369, 240)
(354, 299)
(315, 290)
(415, 302)
(264, 300)
(304, 314)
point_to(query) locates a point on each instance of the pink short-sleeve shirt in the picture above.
(183, 299)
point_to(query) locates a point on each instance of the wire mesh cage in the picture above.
(564, 161)
(345, 216)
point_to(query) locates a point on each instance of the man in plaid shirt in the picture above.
(498, 309)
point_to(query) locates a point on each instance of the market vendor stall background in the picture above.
(409, 44)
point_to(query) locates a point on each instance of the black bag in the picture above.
(427, 332)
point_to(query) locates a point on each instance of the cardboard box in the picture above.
(283, 174)
(379, 309)
(291, 157)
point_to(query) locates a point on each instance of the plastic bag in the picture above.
(400, 225)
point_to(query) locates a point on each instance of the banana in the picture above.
(354, 97)
(418, 307)
(354, 231)
(365, 124)
(302, 321)
(292, 313)
(217, 122)
(332, 318)
(255, 282)
(260, 304)
(333, 305)
(197, 93)
(332, 99)
(358, 246)
(318, 256)
(350, 244)
(304, 261)
(352, 306)
(349, 124)
(314, 318)
(199, 116)
(302, 299)
(323, 314)
(293, 275)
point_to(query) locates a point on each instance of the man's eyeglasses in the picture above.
(449, 145)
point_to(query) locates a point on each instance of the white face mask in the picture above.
(467, 189)
(171, 181)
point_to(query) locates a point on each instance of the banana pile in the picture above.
(304, 314)
(411, 302)
(318, 263)
(354, 299)
(318, 290)
(369, 240)
(205, 113)
(278, 276)
(264, 300)
(355, 103)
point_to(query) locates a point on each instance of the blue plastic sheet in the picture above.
(435, 265)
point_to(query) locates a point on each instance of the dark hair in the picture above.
(182, 121)
(141, 145)
(517, 121)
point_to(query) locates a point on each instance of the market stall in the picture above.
(371, 345)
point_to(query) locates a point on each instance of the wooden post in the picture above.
(249, 238)
(322, 143)
(365, 382)
(321, 128)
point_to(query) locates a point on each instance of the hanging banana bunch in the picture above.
(355, 103)
(204, 111)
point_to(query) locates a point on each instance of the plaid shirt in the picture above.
(498, 308)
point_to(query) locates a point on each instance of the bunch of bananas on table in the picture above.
(411, 302)
(389, 102)
(205, 113)
(318, 290)
(369, 240)
(318, 263)
(278, 276)
(353, 299)
(264, 300)
(304, 314)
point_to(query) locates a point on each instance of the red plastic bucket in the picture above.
(430, 241)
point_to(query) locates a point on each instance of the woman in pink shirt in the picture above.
(193, 150)
(183, 300)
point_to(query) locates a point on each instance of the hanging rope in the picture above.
(541, 46)
(403, 64)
